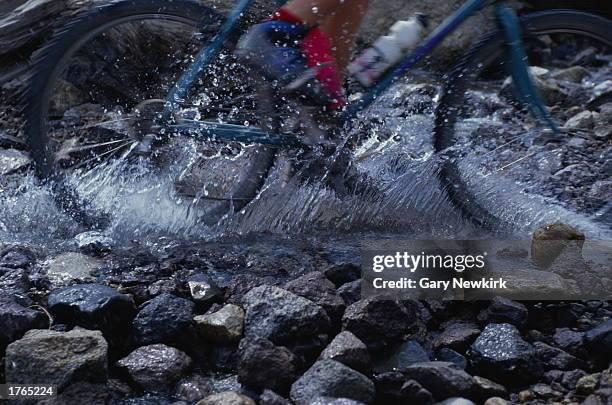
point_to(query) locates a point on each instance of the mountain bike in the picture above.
(138, 76)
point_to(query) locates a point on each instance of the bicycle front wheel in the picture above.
(492, 147)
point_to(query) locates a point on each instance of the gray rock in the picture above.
(16, 257)
(269, 397)
(226, 398)
(343, 273)
(280, 316)
(334, 401)
(569, 340)
(81, 392)
(11, 142)
(378, 322)
(203, 288)
(329, 378)
(556, 359)
(495, 401)
(264, 365)
(92, 306)
(399, 357)
(501, 354)
(442, 379)
(350, 292)
(503, 310)
(93, 242)
(12, 160)
(156, 368)
(164, 319)
(348, 350)
(451, 356)
(317, 288)
(224, 325)
(455, 401)
(573, 74)
(69, 267)
(193, 388)
(16, 320)
(485, 388)
(457, 336)
(58, 358)
(582, 120)
(599, 339)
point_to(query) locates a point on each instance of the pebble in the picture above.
(224, 325)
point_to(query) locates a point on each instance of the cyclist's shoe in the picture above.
(276, 49)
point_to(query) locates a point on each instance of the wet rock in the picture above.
(350, 292)
(442, 379)
(80, 393)
(269, 397)
(15, 282)
(334, 401)
(550, 240)
(544, 391)
(582, 120)
(280, 316)
(451, 356)
(94, 243)
(11, 142)
(455, 401)
(203, 289)
(239, 285)
(553, 358)
(224, 325)
(587, 384)
(501, 354)
(12, 160)
(457, 336)
(599, 339)
(343, 273)
(573, 74)
(156, 368)
(58, 358)
(16, 320)
(264, 365)
(503, 310)
(317, 288)
(193, 388)
(16, 257)
(399, 357)
(377, 322)
(227, 398)
(329, 378)
(569, 340)
(70, 267)
(92, 306)
(413, 392)
(164, 319)
(485, 388)
(348, 350)
(495, 401)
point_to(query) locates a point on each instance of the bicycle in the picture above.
(190, 86)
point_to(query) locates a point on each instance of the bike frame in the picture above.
(515, 60)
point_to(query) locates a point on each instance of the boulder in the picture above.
(16, 320)
(226, 398)
(264, 365)
(442, 379)
(378, 322)
(329, 378)
(348, 350)
(156, 368)
(224, 325)
(164, 319)
(501, 354)
(281, 316)
(397, 358)
(57, 358)
(317, 288)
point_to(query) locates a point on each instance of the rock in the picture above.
(556, 359)
(58, 358)
(350, 292)
(451, 356)
(544, 391)
(93, 242)
(203, 289)
(502, 310)
(569, 340)
(334, 401)
(269, 397)
(413, 392)
(80, 393)
(457, 336)
(69, 267)
(329, 378)
(485, 388)
(263, 365)
(399, 357)
(343, 273)
(550, 240)
(156, 368)
(12, 160)
(442, 379)
(11, 142)
(599, 339)
(92, 306)
(16, 257)
(348, 350)
(495, 401)
(455, 401)
(224, 325)
(501, 354)
(587, 384)
(573, 74)
(582, 120)
(16, 320)
(280, 316)
(227, 398)
(317, 288)
(164, 319)
(193, 388)
(15, 282)
(377, 322)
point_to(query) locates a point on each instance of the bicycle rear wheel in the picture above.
(570, 55)
(99, 84)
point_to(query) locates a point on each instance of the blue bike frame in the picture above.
(516, 62)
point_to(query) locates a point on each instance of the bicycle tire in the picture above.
(50, 59)
(487, 49)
